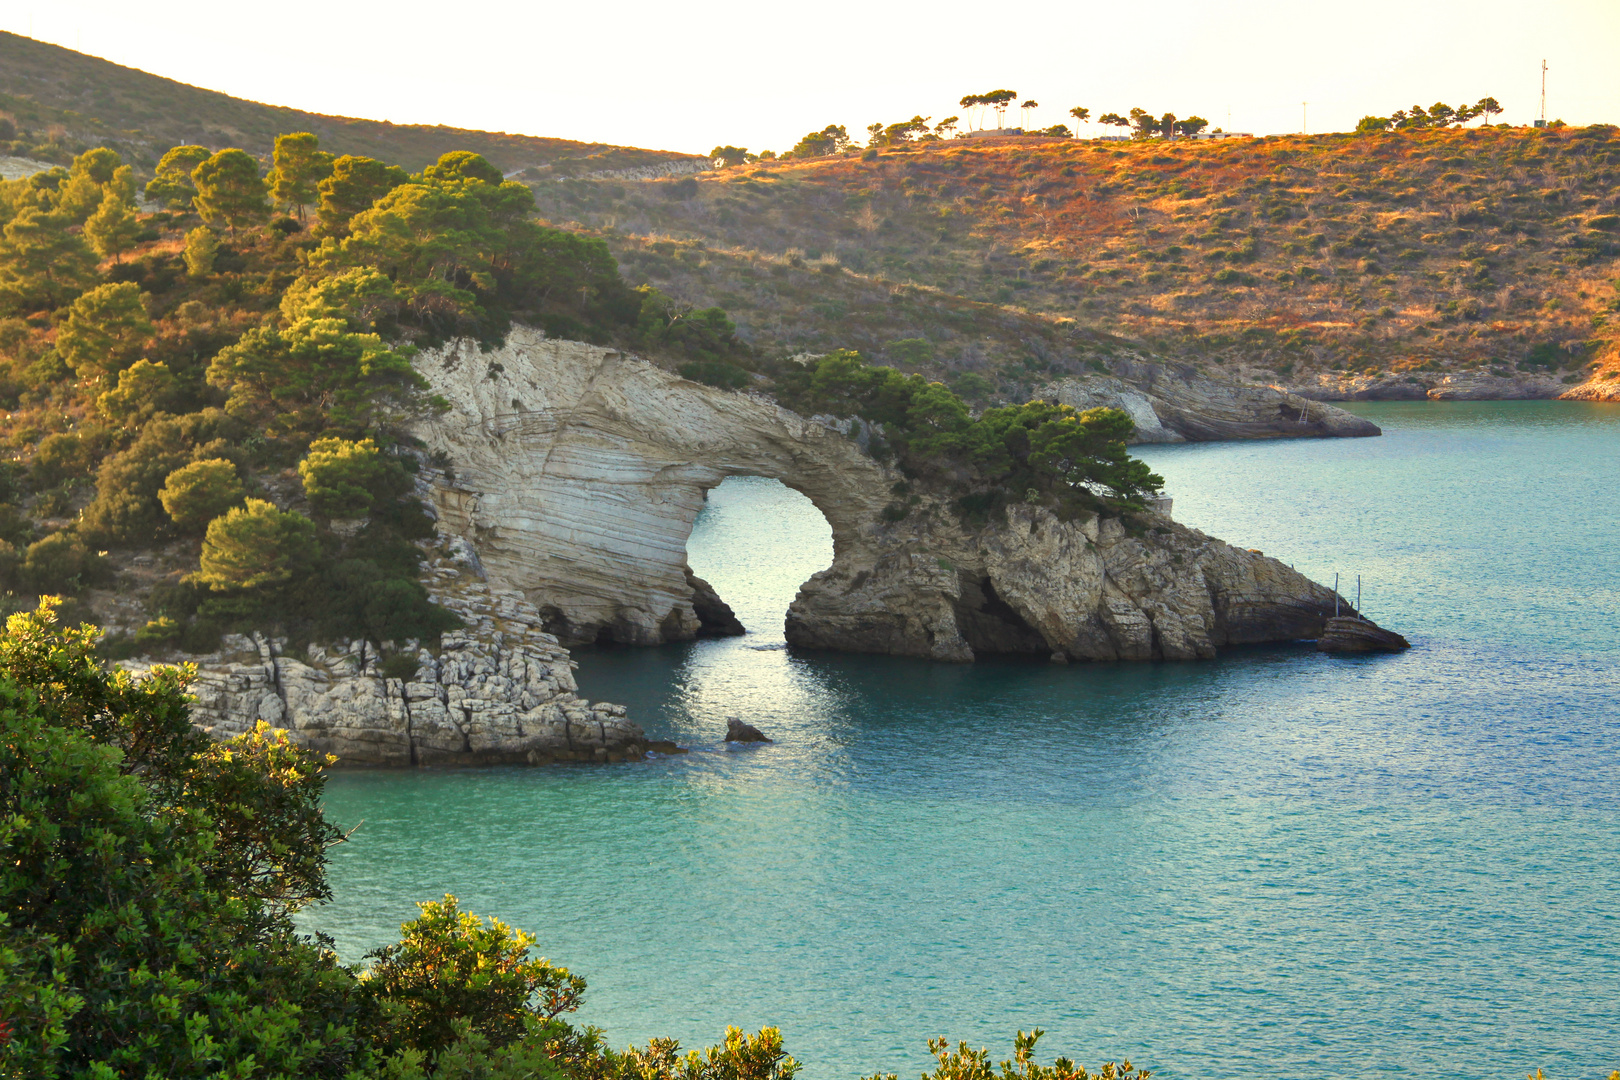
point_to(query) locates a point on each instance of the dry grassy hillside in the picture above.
(68, 101)
(1336, 258)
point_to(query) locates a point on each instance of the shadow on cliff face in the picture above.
(991, 625)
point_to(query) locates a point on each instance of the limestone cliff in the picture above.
(1176, 403)
(576, 472)
(501, 690)
(1428, 386)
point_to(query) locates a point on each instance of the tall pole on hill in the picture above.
(1543, 94)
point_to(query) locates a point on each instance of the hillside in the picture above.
(68, 101)
(1342, 265)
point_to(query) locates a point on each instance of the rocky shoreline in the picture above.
(499, 691)
(1452, 386)
(1176, 403)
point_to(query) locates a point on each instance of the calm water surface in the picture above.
(1276, 862)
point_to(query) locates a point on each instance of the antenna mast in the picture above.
(1543, 95)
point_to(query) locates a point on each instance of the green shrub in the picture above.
(1544, 356)
(1078, 460)
(910, 352)
(256, 545)
(972, 386)
(716, 373)
(143, 389)
(15, 526)
(159, 631)
(58, 459)
(402, 666)
(60, 563)
(126, 510)
(56, 502)
(699, 333)
(194, 495)
(965, 1063)
(442, 953)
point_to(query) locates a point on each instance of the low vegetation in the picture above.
(1036, 452)
(1429, 248)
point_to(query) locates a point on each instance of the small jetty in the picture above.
(1354, 634)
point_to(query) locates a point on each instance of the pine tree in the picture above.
(229, 189)
(201, 247)
(112, 229)
(299, 166)
(105, 331)
(256, 545)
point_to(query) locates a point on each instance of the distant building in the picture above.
(1219, 134)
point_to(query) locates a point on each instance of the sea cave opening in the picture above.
(755, 541)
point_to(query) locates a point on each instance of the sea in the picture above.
(1275, 863)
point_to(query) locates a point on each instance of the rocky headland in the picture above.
(567, 480)
(578, 472)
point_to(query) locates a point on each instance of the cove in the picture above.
(1275, 860)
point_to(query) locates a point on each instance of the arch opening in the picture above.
(753, 545)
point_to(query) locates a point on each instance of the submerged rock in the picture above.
(737, 731)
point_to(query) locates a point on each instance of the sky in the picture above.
(690, 76)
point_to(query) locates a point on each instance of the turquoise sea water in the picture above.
(1276, 863)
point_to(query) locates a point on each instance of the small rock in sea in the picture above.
(737, 731)
(1353, 634)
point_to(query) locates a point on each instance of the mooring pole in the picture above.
(1335, 596)
(1359, 615)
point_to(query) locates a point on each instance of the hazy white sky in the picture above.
(686, 76)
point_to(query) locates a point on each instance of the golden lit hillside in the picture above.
(1486, 250)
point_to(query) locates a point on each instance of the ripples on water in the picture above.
(1274, 862)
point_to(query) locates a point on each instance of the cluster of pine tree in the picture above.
(164, 360)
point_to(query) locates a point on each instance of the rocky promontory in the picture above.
(567, 478)
(577, 472)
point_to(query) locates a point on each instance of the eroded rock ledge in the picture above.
(578, 471)
(1175, 403)
(499, 691)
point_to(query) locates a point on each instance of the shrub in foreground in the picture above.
(149, 879)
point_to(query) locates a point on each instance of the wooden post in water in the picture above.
(1358, 594)
(1335, 596)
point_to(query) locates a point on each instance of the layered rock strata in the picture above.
(577, 473)
(501, 690)
(1429, 386)
(1175, 403)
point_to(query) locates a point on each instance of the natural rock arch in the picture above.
(577, 472)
